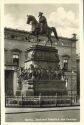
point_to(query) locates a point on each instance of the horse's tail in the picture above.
(55, 33)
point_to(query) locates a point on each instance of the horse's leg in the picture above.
(48, 34)
(55, 33)
(28, 37)
(50, 40)
(46, 41)
(51, 43)
(37, 39)
(49, 37)
(36, 35)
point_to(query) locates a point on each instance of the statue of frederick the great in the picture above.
(42, 22)
(41, 27)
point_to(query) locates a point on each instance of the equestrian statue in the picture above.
(41, 27)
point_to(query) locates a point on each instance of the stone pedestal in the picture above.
(42, 72)
(42, 56)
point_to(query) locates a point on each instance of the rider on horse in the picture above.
(42, 22)
(41, 27)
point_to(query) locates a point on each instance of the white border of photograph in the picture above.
(81, 61)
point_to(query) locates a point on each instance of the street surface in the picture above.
(63, 114)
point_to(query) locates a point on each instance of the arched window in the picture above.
(16, 59)
(65, 59)
(15, 56)
(65, 64)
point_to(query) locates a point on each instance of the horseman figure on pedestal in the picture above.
(41, 27)
(42, 22)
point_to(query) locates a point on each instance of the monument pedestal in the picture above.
(42, 56)
(42, 72)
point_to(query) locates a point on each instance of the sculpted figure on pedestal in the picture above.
(41, 27)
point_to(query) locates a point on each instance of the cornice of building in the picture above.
(15, 30)
(24, 32)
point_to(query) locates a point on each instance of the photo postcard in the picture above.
(42, 62)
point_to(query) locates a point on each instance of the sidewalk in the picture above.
(32, 110)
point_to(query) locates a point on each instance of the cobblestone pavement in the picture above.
(66, 114)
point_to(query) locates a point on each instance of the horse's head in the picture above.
(30, 19)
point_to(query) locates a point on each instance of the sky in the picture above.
(64, 17)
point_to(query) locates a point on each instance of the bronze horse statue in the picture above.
(37, 31)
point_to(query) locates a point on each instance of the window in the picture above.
(16, 59)
(65, 61)
(12, 36)
(16, 56)
(65, 64)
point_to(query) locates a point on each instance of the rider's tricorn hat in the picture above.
(40, 13)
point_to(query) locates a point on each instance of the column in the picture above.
(15, 82)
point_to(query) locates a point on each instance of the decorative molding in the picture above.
(16, 50)
(22, 35)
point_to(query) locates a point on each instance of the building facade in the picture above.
(16, 42)
(78, 74)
